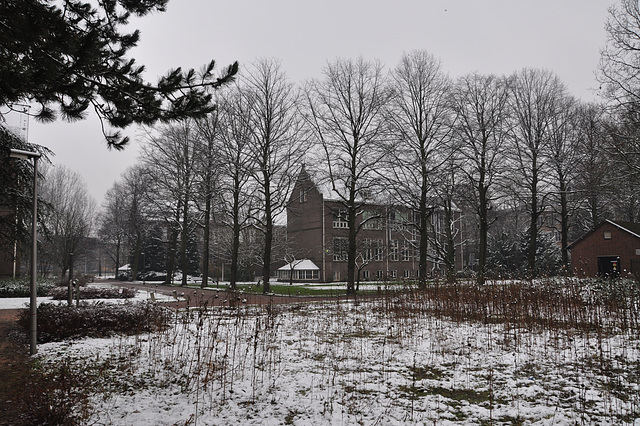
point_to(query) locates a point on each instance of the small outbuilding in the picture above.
(611, 249)
(302, 270)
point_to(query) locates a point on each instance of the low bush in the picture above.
(59, 322)
(60, 293)
(22, 288)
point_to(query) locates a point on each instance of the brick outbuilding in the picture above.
(611, 249)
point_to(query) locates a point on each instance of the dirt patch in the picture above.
(14, 369)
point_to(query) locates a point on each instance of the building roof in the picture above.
(300, 265)
(629, 227)
(632, 228)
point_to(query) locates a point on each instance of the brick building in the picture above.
(317, 230)
(611, 249)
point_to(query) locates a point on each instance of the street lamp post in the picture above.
(144, 275)
(17, 153)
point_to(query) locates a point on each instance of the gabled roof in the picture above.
(632, 228)
(300, 265)
(629, 227)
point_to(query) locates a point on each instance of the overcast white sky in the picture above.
(488, 36)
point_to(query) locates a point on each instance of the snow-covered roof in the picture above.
(300, 265)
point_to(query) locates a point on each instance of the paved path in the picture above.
(218, 296)
(189, 296)
(9, 314)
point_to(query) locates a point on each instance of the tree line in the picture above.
(489, 145)
(486, 144)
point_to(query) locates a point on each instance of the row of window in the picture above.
(298, 275)
(379, 275)
(373, 250)
(373, 220)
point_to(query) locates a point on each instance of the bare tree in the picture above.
(113, 223)
(421, 120)
(345, 113)
(621, 160)
(276, 144)
(170, 157)
(446, 224)
(563, 160)
(592, 167)
(620, 82)
(208, 165)
(236, 189)
(70, 216)
(620, 59)
(480, 104)
(536, 102)
(135, 187)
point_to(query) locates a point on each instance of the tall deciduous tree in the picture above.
(113, 223)
(620, 59)
(535, 103)
(276, 145)
(74, 55)
(207, 175)
(480, 103)
(70, 215)
(236, 187)
(620, 86)
(421, 120)
(592, 165)
(136, 185)
(346, 113)
(563, 160)
(170, 157)
(622, 148)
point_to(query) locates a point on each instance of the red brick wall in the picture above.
(585, 253)
(304, 222)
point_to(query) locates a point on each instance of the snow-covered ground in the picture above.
(372, 363)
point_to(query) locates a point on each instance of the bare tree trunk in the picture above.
(564, 225)
(533, 224)
(183, 241)
(268, 238)
(352, 248)
(207, 238)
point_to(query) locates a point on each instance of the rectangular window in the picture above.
(367, 250)
(398, 220)
(379, 275)
(393, 250)
(379, 251)
(303, 196)
(340, 247)
(406, 251)
(340, 219)
(607, 235)
(406, 273)
(371, 220)
(365, 275)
